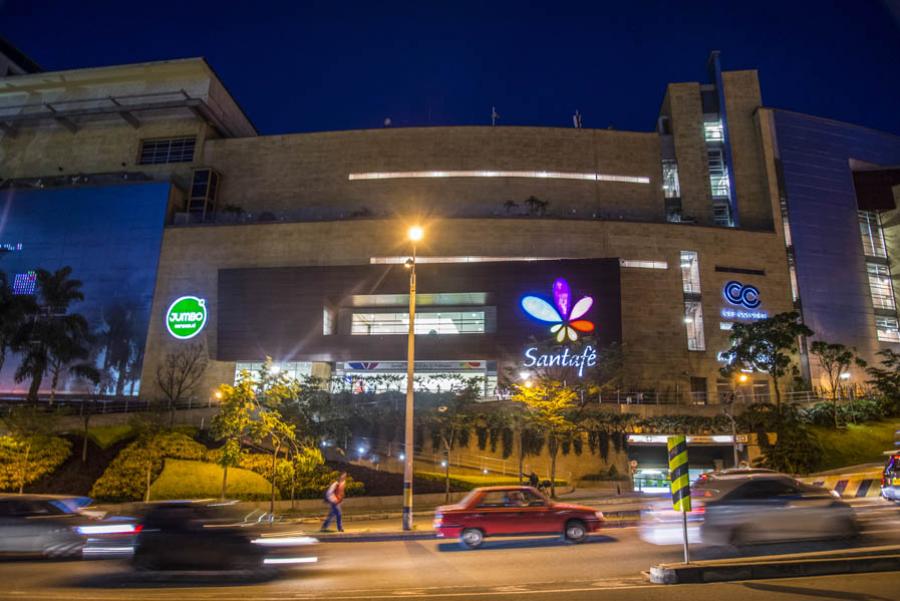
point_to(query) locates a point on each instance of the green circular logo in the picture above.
(186, 317)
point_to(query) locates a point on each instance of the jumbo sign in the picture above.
(186, 317)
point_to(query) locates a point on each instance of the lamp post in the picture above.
(415, 234)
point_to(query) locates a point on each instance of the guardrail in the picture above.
(95, 404)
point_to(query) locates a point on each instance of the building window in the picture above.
(690, 272)
(726, 325)
(713, 131)
(296, 370)
(167, 150)
(872, 234)
(639, 264)
(887, 328)
(445, 322)
(880, 286)
(693, 321)
(722, 214)
(327, 322)
(671, 186)
(718, 174)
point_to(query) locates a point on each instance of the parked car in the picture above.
(513, 511)
(203, 535)
(57, 526)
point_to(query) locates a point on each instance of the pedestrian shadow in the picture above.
(503, 544)
(750, 551)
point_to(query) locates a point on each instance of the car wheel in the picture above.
(143, 562)
(575, 532)
(471, 538)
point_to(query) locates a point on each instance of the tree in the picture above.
(232, 422)
(31, 447)
(835, 359)
(449, 419)
(69, 351)
(14, 311)
(118, 340)
(886, 379)
(549, 403)
(53, 333)
(767, 346)
(179, 373)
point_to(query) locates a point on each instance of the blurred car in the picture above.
(890, 479)
(513, 511)
(203, 535)
(57, 526)
(731, 473)
(762, 507)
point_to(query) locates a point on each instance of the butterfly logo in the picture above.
(564, 316)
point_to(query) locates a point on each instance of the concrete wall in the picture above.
(306, 175)
(653, 331)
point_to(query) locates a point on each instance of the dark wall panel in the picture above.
(279, 311)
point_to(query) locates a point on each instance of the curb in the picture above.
(703, 572)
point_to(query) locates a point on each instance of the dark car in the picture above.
(199, 535)
(513, 511)
(56, 526)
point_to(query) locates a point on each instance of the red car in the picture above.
(511, 511)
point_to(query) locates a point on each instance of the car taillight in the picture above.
(138, 528)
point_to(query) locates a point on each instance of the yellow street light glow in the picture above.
(218, 394)
(416, 233)
(742, 378)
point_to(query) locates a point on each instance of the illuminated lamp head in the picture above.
(562, 313)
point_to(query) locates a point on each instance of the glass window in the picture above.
(718, 175)
(690, 271)
(493, 498)
(167, 150)
(693, 321)
(880, 286)
(887, 328)
(872, 234)
(671, 186)
(713, 131)
(444, 322)
(327, 322)
(296, 370)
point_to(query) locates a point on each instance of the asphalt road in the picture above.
(542, 568)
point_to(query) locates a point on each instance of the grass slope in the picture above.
(859, 443)
(182, 479)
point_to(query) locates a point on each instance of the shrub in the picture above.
(182, 479)
(20, 465)
(125, 479)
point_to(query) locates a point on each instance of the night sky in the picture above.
(308, 66)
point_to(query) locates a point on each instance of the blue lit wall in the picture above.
(822, 208)
(111, 238)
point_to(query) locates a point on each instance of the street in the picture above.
(541, 568)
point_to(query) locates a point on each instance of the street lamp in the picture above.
(415, 234)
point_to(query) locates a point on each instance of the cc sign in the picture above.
(740, 294)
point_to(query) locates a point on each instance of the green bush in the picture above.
(848, 412)
(125, 479)
(107, 436)
(181, 479)
(23, 461)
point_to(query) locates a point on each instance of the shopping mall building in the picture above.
(186, 227)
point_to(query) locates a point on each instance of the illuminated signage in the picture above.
(743, 295)
(186, 317)
(729, 313)
(561, 358)
(565, 315)
(746, 298)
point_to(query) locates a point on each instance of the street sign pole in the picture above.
(680, 484)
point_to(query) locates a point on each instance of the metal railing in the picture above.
(96, 404)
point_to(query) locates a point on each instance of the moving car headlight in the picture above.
(285, 541)
(599, 515)
(108, 529)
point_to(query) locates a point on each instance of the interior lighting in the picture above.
(592, 177)
(416, 233)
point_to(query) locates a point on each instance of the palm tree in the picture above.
(53, 331)
(14, 310)
(118, 342)
(70, 350)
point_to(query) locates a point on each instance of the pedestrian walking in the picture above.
(334, 496)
